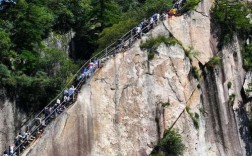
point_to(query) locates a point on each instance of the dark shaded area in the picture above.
(211, 105)
(81, 48)
(245, 130)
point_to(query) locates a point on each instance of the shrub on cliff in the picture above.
(190, 5)
(214, 61)
(247, 59)
(170, 145)
(229, 17)
(152, 44)
(155, 42)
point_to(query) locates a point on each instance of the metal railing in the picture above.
(127, 41)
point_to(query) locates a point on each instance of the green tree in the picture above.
(130, 19)
(230, 16)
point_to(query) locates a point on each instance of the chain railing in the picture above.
(126, 41)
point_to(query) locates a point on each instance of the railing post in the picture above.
(114, 52)
(106, 52)
(18, 151)
(131, 39)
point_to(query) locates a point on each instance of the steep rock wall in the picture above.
(61, 42)
(225, 133)
(126, 106)
(129, 103)
(11, 119)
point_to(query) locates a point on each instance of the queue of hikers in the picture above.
(50, 112)
(36, 127)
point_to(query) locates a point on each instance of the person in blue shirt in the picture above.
(71, 92)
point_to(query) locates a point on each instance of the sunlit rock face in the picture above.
(11, 119)
(126, 106)
(129, 103)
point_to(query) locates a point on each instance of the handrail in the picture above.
(108, 51)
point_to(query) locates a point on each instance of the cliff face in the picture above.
(125, 108)
(11, 117)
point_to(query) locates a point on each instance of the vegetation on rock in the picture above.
(229, 17)
(247, 60)
(152, 44)
(194, 117)
(170, 145)
(190, 5)
(229, 85)
(195, 72)
(214, 62)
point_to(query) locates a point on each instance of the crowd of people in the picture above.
(36, 127)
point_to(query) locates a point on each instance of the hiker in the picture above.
(164, 16)
(58, 101)
(65, 95)
(91, 67)
(119, 45)
(71, 92)
(97, 63)
(151, 23)
(60, 108)
(11, 150)
(84, 75)
(173, 12)
(145, 28)
(50, 112)
(55, 107)
(41, 122)
(138, 32)
(46, 111)
(18, 139)
(25, 136)
(56, 104)
(156, 17)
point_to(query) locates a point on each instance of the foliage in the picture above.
(214, 61)
(194, 117)
(230, 16)
(164, 104)
(247, 59)
(190, 53)
(4, 74)
(229, 85)
(110, 34)
(190, 5)
(231, 99)
(152, 44)
(151, 55)
(130, 19)
(170, 145)
(195, 72)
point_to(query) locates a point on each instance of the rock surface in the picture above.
(125, 108)
(10, 118)
(246, 85)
